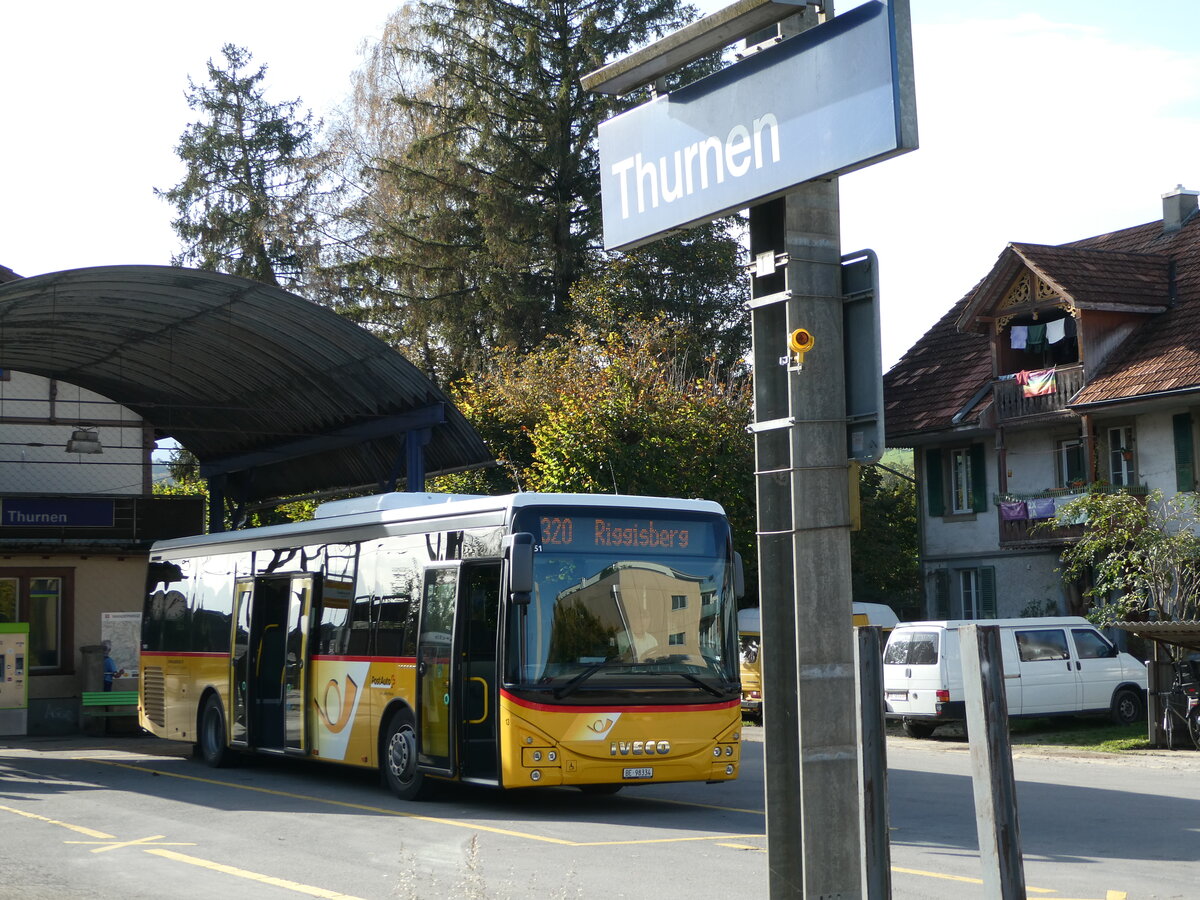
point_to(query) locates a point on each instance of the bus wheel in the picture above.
(600, 789)
(400, 760)
(213, 749)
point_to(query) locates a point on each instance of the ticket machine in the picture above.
(14, 665)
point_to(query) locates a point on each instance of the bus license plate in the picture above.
(637, 773)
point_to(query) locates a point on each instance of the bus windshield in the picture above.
(625, 600)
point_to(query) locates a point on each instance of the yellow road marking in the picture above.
(753, 812)
(254, 876)
(105, 846)
(455, 823)
(680, 840)
(77, 828)
(744, 847)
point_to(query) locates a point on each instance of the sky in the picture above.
(1040, 123)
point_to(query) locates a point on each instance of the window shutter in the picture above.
(1185, 465)
(933, 482)
(978, 478)
(941, 594)
(987, 592)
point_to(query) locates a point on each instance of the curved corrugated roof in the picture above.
(244, 375)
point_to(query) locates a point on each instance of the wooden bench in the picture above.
(104, 703)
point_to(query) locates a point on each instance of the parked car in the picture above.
(1052, 667)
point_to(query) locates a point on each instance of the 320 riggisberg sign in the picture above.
(835, 98)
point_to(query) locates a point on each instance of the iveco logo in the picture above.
(639, 748)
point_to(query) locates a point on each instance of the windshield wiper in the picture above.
(696, 680)
(573, 685)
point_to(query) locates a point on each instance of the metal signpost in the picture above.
(771, 132)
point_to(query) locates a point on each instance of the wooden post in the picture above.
(877, 857)
(991, 761)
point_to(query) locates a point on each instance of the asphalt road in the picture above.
(134, 818)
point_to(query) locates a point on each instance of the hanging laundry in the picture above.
(1072, 327)
(1056, 331)
(1038, 383)
(1041, 508)
(1035, 340)
(1019, 335)
(1013, 510)
(1077, 517)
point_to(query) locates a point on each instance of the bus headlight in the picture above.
(535, 775)
(716, 751)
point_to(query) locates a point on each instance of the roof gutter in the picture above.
(1157, 395)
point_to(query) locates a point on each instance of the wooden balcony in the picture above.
(1011, 402)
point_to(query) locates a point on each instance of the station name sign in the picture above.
(56, 513)
(829, 100)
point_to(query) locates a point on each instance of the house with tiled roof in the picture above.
(1066, 368)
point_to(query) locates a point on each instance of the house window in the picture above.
(960, 481)
(678, 601)
(965, 593)
(1069, 457)
(677, 639)
(955, 480)
(40, 597)
(1120, 455)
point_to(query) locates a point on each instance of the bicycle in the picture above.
(1181, 704)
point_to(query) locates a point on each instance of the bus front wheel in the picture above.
(213, 747)
(400, 760)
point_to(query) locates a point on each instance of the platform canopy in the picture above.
(275, 395)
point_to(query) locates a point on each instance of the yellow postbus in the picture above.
(516, 641)
(750, 648)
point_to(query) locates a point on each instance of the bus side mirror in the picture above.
(739, 576)
(520, 567)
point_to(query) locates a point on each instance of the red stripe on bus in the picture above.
(204, 655)
(545, 707)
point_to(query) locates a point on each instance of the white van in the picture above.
(1052, 667)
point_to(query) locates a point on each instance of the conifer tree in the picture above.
(474, 232)
(243, 204)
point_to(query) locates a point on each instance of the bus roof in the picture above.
(386, 509)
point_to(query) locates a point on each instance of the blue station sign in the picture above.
(829, 100)
(51, 512)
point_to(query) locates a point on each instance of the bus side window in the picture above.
(357, 641)
(409, 646)
(333, 633)
(391, 623)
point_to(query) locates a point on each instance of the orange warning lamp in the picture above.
(800, 342)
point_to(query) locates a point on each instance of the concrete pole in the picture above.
(813, 802)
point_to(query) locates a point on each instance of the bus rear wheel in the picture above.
(213, 748)
(399, 761)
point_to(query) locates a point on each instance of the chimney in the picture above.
(1179, 205)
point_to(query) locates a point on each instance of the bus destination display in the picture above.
(596, 533)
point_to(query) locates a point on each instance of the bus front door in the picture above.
(481, 608)
(269, 675)
(436, 688)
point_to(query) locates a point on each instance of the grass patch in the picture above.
(1080, 734)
